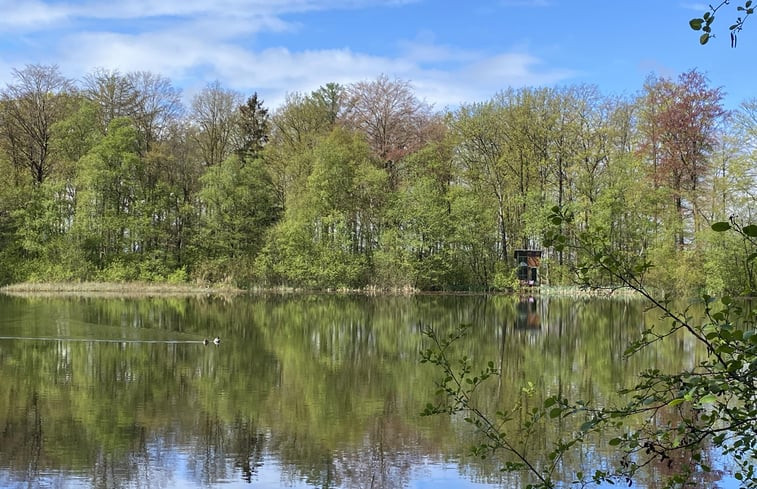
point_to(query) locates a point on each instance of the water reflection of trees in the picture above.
(328, 386)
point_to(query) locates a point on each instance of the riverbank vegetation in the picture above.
(111, 178)
(120, 289)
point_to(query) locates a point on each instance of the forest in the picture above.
(112, 177)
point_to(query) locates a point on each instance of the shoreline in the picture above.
(113, 289)
(148, 289)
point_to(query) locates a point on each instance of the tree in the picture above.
(297, 127)
(417, 250)
(238, 208)
(510, 149)
(110, 222)
(480, 130)
(13, 197)
(39, 97)
(159, 107)
(112, 93)
(395, 123)
(679, 124)
(303, 119)
(331, 226)
(731, 193)
(173, 169)
(214, 116)
(254, 127)
(330, 100)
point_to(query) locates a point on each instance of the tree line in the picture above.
(112, 177)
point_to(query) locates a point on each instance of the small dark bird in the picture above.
(205, 341)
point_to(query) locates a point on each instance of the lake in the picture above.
(303, 391)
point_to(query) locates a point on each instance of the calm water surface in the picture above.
(317, 391)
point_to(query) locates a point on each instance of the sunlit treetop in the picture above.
(705, 22)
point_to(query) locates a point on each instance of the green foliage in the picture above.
(418, 249)
(238, 205)
(323, 239)
(300, 197)
(393, 263)
(78, 133)
(473, 237)
(738, 253)
(705, 22)
(178, 276)
(110, 220)
(505, 278)
(117, 271)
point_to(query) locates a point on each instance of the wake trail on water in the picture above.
(92, 340)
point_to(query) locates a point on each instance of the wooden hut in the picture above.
(528, 262)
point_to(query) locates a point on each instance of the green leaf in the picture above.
(554, 413)
(676, 402)
(704, 38)
(708, 399)
(750, 230)
(696, 24)
(615, 442)
(722, 225)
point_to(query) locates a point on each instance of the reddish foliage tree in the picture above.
(393, 120)
(678, 125)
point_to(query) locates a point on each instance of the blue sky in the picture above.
(451, 51)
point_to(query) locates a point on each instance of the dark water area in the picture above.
(303, 391)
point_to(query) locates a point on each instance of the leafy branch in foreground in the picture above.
(510, 430)
(705, 22)
(673, 418)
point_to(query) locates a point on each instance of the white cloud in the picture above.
(425, 49)
(441, 75)
(37, 15)
(277, 71)
(29, 15)
(699, 7)
(194, 42)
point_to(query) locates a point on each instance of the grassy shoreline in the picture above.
(120, 289)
